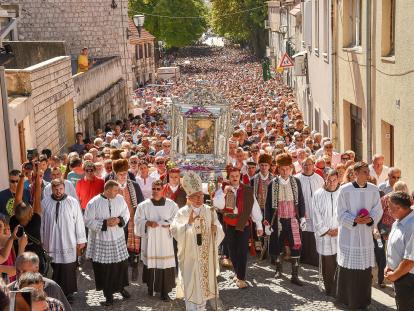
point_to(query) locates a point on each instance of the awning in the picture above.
(302, 53)
(295, 11)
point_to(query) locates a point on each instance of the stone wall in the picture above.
(50, 86)
(106, 107)
(28, 53)
(92, 23)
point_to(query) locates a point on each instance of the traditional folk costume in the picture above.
(175, 193)
(62, 229)
(324, 218)
(355, 244)
(132, 194)
(310, 184)
(157, 251)
(285, 208)
(197, 249)
(237, 218)
(260, 185)
(106, 245)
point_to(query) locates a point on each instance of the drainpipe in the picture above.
(335, 122)
(368, 81)
(6, 121)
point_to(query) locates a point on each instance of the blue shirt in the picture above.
(401, 242)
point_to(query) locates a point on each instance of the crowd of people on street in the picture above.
(117, 199)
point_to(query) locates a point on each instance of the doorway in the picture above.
(387, 142)
(356, 131)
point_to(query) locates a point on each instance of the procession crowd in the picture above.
(117, 199)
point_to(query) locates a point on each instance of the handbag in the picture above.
(47, 269)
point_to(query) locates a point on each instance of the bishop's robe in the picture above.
(196, 277)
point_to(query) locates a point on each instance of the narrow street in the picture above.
(264, 293)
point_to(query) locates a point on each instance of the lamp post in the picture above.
(139, 22)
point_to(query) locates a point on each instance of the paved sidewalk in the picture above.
(264, 293)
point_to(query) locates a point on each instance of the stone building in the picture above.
(142, 52)
(100, 25)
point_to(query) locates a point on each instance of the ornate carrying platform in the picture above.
(201, 127)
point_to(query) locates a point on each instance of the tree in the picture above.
(175, 32)
(228, 20)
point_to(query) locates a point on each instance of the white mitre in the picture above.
(192, 183)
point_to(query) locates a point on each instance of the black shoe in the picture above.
(125, 294)
(109, 301)
(165, 297)
(150, 293)
(70, 298)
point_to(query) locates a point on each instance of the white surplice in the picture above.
(310, 184)
(69, 190)
(196, 282)
(60, 237)
(355, 243)
(324, 208)
(106, 244)
(157, 250)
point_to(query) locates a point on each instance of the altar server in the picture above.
(62, 217)
(106, 215)
(152, 223)
(325, 224)
(359, 208)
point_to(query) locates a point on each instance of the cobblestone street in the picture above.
(264, 293)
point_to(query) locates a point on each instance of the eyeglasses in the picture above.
(345, 159)
(133, 162)
(396, 177)
(156, 188)
(13, 181)
(159, 162)
(89, 171)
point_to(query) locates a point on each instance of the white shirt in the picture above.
(324, 208)
(310, 184)
(381, 177)
(220, 202)
(60, 237)
(145, 185)
(355, 243)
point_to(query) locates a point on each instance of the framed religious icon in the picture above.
(201, 126)
(200, 136)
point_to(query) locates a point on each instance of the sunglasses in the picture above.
(89, 171)
(345, 159)
(156, 189)
(133, 162)
(159, 162)
(13, 181)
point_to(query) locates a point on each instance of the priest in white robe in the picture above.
(310, 182)
(152, 223)
(325, 224)
(63, 235)
(106, 216)
(199, 234)
(359, 208)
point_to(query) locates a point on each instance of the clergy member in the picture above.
(285, 207)
(239, 204)
(359, 208)
(198, 233)
(63, 235)
(325, 225)
(106, 215)
(152, 223)
(310, 183)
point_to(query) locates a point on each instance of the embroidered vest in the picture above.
(244, 204)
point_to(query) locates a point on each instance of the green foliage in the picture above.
(245, 27)
(175, 32)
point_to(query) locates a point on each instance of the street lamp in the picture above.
(139, 22)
